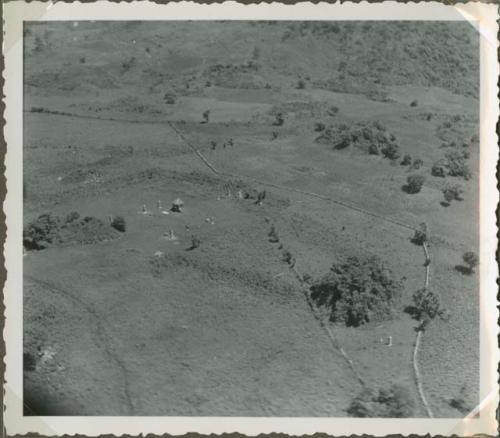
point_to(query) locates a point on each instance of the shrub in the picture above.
(206, 116)
(301, 84)
(119, 224)
(82, 60)
(456, 165)
(42, 232)
(414, 103)
(417, 164)
(391, 151)
(420, 236)
(357, 291)
(426, 304)
(414, 183)
(406, 161)
(471, 260)
(318, 126)
(452, 193)
(274, 135)
(393, 402)
(438, 169)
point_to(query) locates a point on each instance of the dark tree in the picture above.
(358, 291)
(406, 161)
(414, 183)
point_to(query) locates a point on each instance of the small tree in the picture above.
(452, 193)
(414, 103)
(206, 116)
(358, 291)
(439, 169)
(417, 164)
(406, 161)
(426, 304)
(414, 183)
(301, 84)
(471, 260)
(391, 151)
(420, 236)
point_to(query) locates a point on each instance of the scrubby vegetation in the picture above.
(414, 183)
(371, 138)
(50, 230)
(393, 402)
(426, 305)
(420, 237)
(452, 193)
(471, 260)
(358, 291)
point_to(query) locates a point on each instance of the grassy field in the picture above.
(139, 324)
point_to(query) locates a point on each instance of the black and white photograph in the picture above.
(253, 218)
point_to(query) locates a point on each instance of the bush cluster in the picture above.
(358, 291)
(49, 229)
(452, 193)
(370, 137)
(454, 163)
(393, 402)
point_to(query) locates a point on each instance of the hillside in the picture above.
(296, 149)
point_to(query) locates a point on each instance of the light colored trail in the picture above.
(171, 124)
(332, 337)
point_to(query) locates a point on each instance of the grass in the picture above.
(224, 329)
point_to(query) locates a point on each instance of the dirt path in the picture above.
(101, 336)
(331, 336)
(213, 169)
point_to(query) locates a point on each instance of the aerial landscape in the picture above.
(251, 218)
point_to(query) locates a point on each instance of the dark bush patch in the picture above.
(417, 164)
(358, 291)
(48, 230)
(426, 305)
(420, 236)
(393, 402)
(414, 184)
(406, 161)
(118, 223)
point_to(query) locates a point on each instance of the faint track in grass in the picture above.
(353, 207)
(100, 332)
(332, 337)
